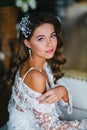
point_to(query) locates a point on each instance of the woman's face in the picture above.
(43, 42)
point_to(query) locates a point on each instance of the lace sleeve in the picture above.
(47, 119)
(45, 115)
(58, 83)
(61, 102)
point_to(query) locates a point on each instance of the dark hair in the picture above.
(34, 21)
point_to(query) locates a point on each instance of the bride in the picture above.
(35, 77)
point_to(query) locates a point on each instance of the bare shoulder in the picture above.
(36, 81)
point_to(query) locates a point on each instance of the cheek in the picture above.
(55, 43)
(37, 49)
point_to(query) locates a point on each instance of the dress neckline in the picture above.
(25, 85)
(30, 70)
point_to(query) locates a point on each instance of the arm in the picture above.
(62, 102)
(58, 83)
(44, 114)
(59, 92)
(54, 95)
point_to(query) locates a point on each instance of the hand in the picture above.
(54, 95)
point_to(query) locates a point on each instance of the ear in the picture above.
(26, 42)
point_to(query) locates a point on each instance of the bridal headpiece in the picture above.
(24, 26)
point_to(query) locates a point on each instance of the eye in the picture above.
(53, 35)
(40, 39)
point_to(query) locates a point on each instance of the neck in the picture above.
(37, 63)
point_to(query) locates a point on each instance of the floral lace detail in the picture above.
(26, 113)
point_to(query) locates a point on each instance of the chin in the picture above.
(50, 57)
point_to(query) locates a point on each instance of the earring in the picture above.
(30, 53)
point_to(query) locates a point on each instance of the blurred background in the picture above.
(73, 15)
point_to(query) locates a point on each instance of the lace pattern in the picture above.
(26, 113)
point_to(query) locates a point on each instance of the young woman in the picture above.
(37, 89)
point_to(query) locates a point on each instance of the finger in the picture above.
(48, 99)
(54, 100)
(45, 95)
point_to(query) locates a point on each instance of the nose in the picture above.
(49, 42)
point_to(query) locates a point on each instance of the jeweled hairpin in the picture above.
(24, 26)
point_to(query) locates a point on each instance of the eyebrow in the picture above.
(44, 35)
(39, 36)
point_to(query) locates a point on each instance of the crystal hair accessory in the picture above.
(24, 26)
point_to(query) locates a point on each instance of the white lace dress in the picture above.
(26, 113)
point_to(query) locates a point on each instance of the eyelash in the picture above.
(52, 36)
(40, 39)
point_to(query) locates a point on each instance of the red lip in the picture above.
(50, 51)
